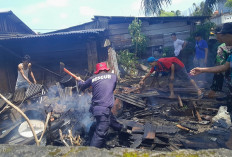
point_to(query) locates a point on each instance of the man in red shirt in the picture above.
(173, 66)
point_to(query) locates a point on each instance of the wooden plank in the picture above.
(130, 101)
(149, 131)
(137, 142)
(120, 37)
(119, 26)
(134, 97)
(92, 55)
(163, 25)
(155, 42)
(196, 111)
(118, 31)
(183, 36)
(167, 30)
(138, 129)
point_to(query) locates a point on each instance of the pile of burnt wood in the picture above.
(153, 121)
(156, 122)
(66, 126)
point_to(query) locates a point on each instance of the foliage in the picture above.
(152, 7)
(139, 40)
(203, 29)
(128, 60)
(168, 51)
(178, 12)
(200, 10)
(164, 13)
(228, 3)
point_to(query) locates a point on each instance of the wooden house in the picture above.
(10, 26)
(79, 50)
(156, 29)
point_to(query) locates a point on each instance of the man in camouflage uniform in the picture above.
(226, 35)
(223, 53)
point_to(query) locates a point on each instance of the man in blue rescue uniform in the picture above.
(103, 86)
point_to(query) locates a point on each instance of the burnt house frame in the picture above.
(79, 50)
(10, 26)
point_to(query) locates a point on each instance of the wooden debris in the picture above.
(138, 129)
(183, 128)
(133, 100)
(196, 111)
(189, 126)
(62, 138)
(149, 131)
(180, 101)
(137, 142)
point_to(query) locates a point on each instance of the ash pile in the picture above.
(152, 120)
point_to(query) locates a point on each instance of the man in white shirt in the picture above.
(178, 44)
(24, 69)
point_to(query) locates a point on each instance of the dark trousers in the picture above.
(217, 82)
(102, 127)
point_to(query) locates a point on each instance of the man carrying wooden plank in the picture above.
(174, 67)
(103, 86)
(24, 69)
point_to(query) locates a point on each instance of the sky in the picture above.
(50, 15)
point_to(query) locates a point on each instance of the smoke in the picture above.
(64, 100)
(84, 103)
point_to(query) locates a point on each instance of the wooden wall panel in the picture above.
(157, 34)
(167, 30)
(163, 25)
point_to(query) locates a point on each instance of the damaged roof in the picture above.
(53, 35)
(12, 26)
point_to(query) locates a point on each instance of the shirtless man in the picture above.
(24, 69)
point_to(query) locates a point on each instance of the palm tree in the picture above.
(154, 6)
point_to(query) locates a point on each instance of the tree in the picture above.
(139, 40)
(178, 12)
(164, 13)
(199, 10)
(155, 6)
(229, 4)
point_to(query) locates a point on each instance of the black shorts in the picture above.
(181, 73)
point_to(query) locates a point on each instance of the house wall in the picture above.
(8, 71)
(157, 34)
(48, 53)
(221, 19)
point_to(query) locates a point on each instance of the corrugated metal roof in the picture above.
(152, 18)
(11, 24)
(75, 28)
(122, 19)
(81, 32)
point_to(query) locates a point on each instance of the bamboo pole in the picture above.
(27, 119)
(45, 126)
